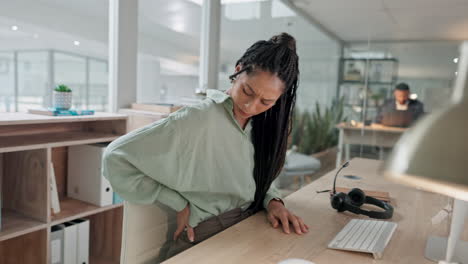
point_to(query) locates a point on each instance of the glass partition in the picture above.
(7, 82)
(38, 72)
(33, 80)
(71, 70)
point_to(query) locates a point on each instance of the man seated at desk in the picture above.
(400, 111)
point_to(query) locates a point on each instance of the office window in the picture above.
(279, 9)
(98, 85)
(242, 11)
(34, 88)
(69, 31)
(168, 50)
(71, 70)
(7, 82)
(318, 54)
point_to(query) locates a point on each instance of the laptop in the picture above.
(397, 118)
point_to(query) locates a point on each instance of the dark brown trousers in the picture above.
(207, 229)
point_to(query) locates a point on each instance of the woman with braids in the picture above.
(214, 163)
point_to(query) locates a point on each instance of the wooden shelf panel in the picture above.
(18, 118)
(14, 225)
(26, 249)
(98, 260)
(44, 140)
(71, 209)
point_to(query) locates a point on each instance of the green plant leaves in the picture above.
(315, 132)
(62, 88)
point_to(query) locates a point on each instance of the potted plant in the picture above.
(62, 97)
(315, 133)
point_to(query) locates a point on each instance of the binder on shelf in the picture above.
(85, 180)
(82, 242)
(57, 244)
(70, 235)
(54, 199)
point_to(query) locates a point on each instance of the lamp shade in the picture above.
(433, 154)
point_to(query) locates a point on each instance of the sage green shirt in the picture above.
(198, 155)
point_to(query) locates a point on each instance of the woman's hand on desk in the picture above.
(183, 222)
(278, 214)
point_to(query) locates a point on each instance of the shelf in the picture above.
(14, 225)
(44, 140)
(97, 260)
(71, 209)
(18, 118)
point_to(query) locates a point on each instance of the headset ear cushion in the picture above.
(337, 201)
(357, 197)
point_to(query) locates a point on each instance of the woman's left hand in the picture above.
(278, 214)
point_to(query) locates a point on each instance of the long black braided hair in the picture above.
(270, 130)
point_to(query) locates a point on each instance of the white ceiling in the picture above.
(390, 20)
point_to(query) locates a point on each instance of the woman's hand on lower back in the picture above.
(278, 215)
(183, 223)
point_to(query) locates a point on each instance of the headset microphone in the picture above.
(353, 200)
(336, 175)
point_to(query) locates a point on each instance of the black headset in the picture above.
(353, 200)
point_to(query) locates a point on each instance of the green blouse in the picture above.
(198, 155)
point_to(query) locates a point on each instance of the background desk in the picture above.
(255, 241)
(373, 135)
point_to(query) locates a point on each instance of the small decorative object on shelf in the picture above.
(354, 71)
(60, 112)
(62, 97)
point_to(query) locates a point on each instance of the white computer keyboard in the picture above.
(370, 236)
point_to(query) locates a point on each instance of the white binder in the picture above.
(57, 244)
(82, 241)
(69, 239)
(85, 181)
(54, 199)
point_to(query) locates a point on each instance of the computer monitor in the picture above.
(397, 118)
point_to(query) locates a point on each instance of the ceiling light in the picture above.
(413, 96)
(14, 28)
(455, 60)
(76, 43)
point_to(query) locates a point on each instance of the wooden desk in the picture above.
(373, 135)
(255, 241)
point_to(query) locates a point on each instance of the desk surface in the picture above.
(255, 241)
(372, 127)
